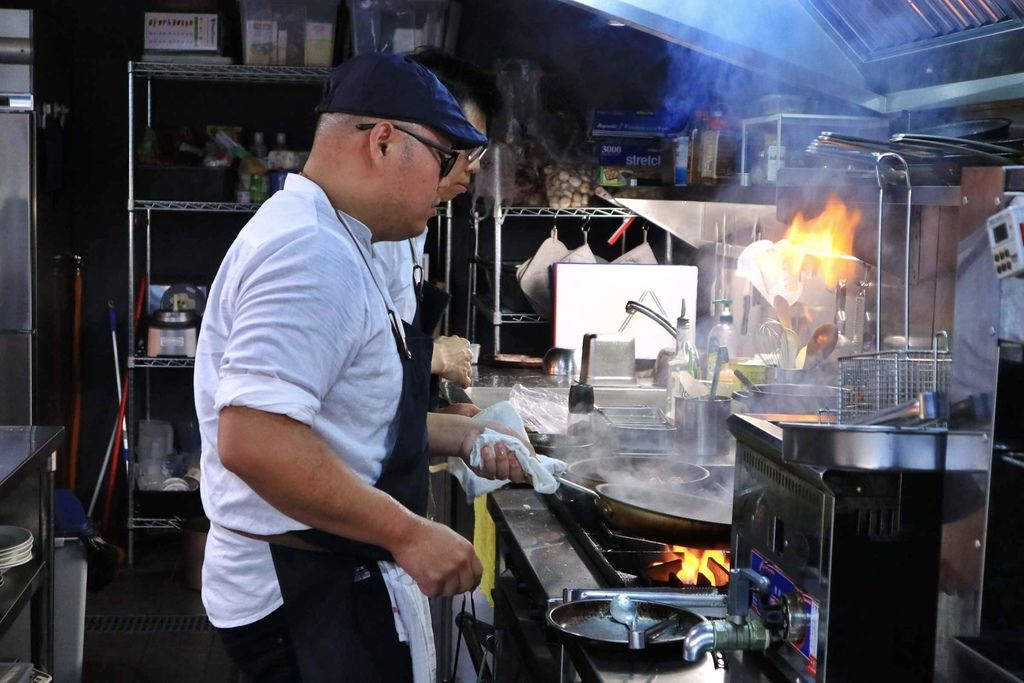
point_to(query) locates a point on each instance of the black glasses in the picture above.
(447, 155)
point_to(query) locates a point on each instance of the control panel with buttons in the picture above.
(1006, 237)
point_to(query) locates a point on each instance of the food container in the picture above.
(397, 25)
(701, 427)
(173, 333)
(278, 32)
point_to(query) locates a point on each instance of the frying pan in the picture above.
(590, 620)
(665, 514)
(638, 469)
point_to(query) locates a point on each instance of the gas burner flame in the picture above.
(692, 567)
(823, 243)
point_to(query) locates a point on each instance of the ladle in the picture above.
(822, 344)
(721, 358)
(623, 611)
(741, 376)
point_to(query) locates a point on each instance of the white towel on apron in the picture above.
(412, 620)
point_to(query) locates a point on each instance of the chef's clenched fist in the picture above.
(452, 360)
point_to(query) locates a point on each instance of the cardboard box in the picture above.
(181, 32)
(634, 124)
(616, 153)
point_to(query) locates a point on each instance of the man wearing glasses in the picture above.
(311, 397)
(417, 301)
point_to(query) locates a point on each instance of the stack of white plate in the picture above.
(15, 546)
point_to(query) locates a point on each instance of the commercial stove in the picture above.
(833, 577)
(547, 554)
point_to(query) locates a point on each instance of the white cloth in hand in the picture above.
(541, 469)
(412, 620)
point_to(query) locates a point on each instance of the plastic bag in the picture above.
(545, 411)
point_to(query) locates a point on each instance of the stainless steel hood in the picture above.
(885, 55)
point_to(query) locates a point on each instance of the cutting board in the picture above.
(591, 298)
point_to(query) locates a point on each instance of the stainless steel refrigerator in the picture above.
(34, 240)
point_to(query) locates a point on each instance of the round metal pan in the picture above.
(590, 620)
(636, 469)
(666, 514)
(973, 129)
(800, 399)
(561, 446)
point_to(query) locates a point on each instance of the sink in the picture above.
(624, 395)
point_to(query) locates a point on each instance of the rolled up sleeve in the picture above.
(291, 337)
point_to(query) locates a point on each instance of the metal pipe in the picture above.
(725, 636)
(637, 307)
(700, 640)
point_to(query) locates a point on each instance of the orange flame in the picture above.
(823, 243)
(689, 564)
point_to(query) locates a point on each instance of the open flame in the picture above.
(823, 243)
(692, 567)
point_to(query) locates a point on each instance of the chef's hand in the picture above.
(452, 360)
(467, 409)
(440, 561)
(499, 461)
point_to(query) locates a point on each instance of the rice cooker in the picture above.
(173, 333)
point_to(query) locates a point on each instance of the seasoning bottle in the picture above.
(280, 142)
(683, 368)
(718, 150)
(723, 334)
(259, 147)
(694, 163)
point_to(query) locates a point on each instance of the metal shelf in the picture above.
(486, 306)
(147, 362)
(229, 73)
(219, 207)
(20, 584)
(548, 212)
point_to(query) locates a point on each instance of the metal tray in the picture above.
(590, 620)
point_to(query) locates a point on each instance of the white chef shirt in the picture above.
(295, 326)
(396, 261)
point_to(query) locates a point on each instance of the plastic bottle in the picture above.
(722, 334)
(259, 147)
(693, 165)
(683, 368)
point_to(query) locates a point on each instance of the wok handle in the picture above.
(568, 483)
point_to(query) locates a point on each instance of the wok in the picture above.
(789, 398)
(590, 620)
(669, 515)
(636, 469)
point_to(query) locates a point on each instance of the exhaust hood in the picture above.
(885, 55)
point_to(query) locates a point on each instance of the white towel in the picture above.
(541, 469)
(412, 620)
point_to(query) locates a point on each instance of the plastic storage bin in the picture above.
(397, 25)
(286, 33)
(71, 526)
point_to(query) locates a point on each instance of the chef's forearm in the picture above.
(448, 434)
(292, 468)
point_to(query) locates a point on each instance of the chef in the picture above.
(311, 397)
(415, 299)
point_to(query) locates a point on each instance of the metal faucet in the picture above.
(637, 307)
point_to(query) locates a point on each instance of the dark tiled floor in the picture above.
(127, 642)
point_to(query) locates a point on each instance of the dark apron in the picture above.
(343, 628)
(431, 303)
